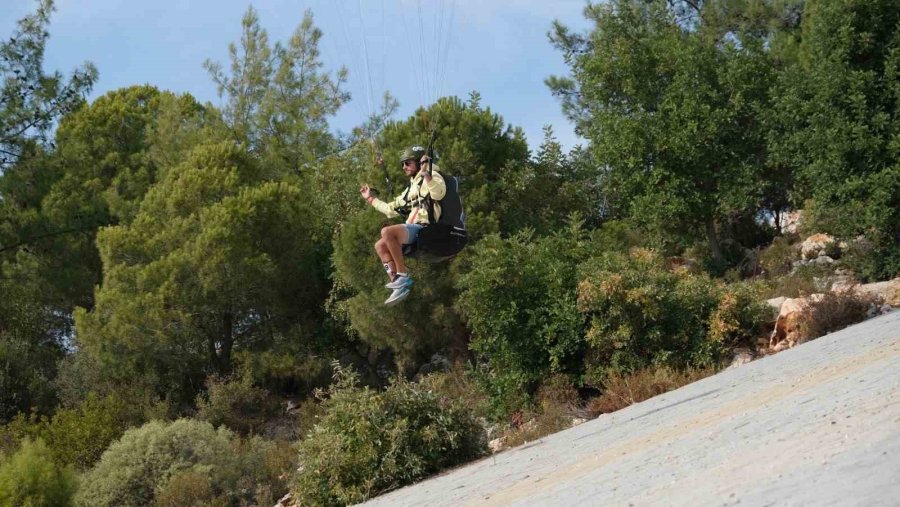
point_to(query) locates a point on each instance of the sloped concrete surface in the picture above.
(818, 424)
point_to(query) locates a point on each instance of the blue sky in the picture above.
(499, 48)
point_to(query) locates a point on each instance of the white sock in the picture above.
(402, 274)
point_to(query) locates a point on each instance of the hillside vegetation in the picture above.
(191, 311)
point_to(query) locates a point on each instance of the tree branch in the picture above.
(45, 236)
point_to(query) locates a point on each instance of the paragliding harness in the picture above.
(445, 237)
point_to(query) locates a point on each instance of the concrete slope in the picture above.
(815, 425)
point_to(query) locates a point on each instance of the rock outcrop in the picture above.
(818, 245)
(789, 323)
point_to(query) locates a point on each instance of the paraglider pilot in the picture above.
(424, 183)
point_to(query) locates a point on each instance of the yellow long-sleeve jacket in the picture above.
(414, 198)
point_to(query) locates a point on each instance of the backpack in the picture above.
(446, 237)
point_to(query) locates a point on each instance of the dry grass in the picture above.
(557, 403)
(458, 385)
(623, 390)
(806, 280)
(835, 311)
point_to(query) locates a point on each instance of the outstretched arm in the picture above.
(388, 208)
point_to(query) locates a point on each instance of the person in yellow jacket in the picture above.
(424, 181)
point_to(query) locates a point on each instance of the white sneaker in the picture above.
(400, 282)
(397, 296)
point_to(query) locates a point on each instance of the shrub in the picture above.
(556, 403)
(873, 260)
(622, 390)
(777, 260)
(370, 442)
(519, 302)
(459, 385)
(642, 314)
(78, 436)
(30, 476)
(266, 465)
(236, 404)
(189, 489)
(142, 462)
(803, 281)
(738, 318)
(834, 311)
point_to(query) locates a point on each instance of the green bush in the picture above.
(803, 281)
(777, 259)
(519, 300)
(142, 462)
(78, 436)
(31, 477)
(266, 466)
(642, 314)
(556, 403)
(236, 404)
(371, 442)
(460, 385)
(738, 318)
(189, 489)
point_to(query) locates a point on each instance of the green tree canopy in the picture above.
(278, 97)
(219, 258)
(490, 159)
(835, 122)
(671, 109)
(30, 100)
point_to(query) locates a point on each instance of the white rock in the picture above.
(815, 245)
(741, 357)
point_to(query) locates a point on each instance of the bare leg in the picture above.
(393, 237)
(385, 255)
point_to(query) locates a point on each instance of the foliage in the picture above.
(266, 466)
(519, 301)
(219, 258)
(98, 174)
(80, 435)
(370, 442)
(833, 311)
(671, 110)
(143, 461)
(51, 208)
(557, 401)
(31, 477)
(459, 385)
(189, 489)
(236, 404)
(25, 375)
(474, 144)
(803, 281)
(777, 259)
(737, 320)
(641, 314)
(31, 101)
(623, 389)
(278, 98)
(833, 120)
